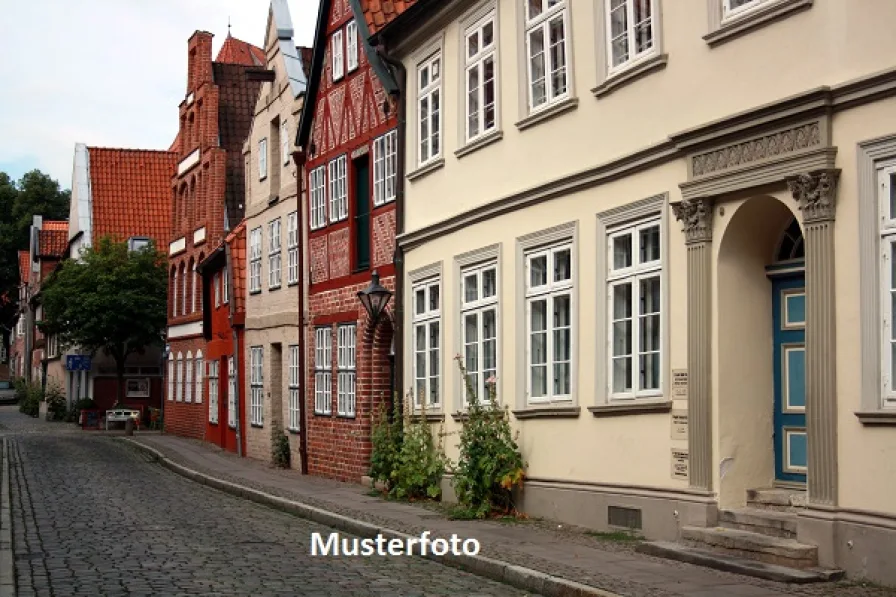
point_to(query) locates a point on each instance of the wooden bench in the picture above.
(122, 415)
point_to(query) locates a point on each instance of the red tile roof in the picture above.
(24, 267)
(236, 51)
(380, 13)
(53, 238)
(175, 145)
(131, 192)
(237, 241)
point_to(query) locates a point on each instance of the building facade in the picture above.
(50, 246)
(272, 222)
(348, 141)
(206, 200)
(683, 296)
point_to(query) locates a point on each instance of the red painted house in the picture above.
(224, 317)
(348, 142)
(208, 195)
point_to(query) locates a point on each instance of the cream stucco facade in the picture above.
(711, 207)
(273, 251)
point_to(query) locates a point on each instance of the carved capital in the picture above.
(695, 216)
(816, 193)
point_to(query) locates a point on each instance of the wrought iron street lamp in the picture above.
(374, 298)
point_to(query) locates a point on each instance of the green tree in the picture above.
(111, 300)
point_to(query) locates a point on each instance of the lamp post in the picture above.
(374, 298)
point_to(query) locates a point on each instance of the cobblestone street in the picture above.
(93, 516)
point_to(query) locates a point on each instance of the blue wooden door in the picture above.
(789, 353)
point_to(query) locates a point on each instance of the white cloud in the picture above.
(109, 72)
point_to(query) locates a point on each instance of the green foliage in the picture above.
(490, 463)
(55, 398)
(75, 412)
(280, 453)
(385, 439)
(111, 300)
(29, 396)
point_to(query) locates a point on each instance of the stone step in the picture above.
(764, 522)
(776, 498)
(729, 563)
(746, 544)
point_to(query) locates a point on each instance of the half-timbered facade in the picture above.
(348, 140)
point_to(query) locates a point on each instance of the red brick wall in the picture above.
(220, 347)
(185, 418)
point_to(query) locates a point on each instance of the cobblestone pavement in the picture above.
(92, 516)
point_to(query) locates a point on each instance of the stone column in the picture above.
(696, 218)
(816, 193)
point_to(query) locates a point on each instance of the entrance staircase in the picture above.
(759, 540)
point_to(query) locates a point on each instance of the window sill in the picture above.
(555, 412)
(548, 113)
(737, 26)
(274, 199)
(629, 75)
(256, 426)
(262, 178)
(428, 417)
(479, 143)
(349, 417)
(253, 292)
(293, 431)
(631, 408)
(273, 288)
(215, 423)
(291, 284)
(317, 414)
(877, 417)
(424, 170)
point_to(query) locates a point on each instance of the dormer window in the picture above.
(336, 50)
(136, 243)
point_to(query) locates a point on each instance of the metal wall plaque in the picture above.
(679, 464)
(679, 424)
(679, 384)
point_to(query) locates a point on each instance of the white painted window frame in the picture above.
(633, 275)
(263, 158)
(232, 393)
(199, 366)
(477, 308)
(323, 366)
(338, 177)
(351, 46)
(216, 282)
(188, 378)
(425, 94)
(542, 22)
(886, 193)
(317, 197)
(225, 288)
(213, 391)
(275, 255)
(385, 168)
(255, 240)
(284, 141)
(427, 320)
(180, 377)
(256, 386)
(729, 13)
(337, 52)
(633, 57)
(293, 380)
(292, 248)
(346, 335)
(477, 62)
(171, 374)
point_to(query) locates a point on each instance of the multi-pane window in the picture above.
(631, 30)
(479, 329)
(429, 90)
(336, 50)
(262, 159)
(216, 282)
(318, 198)
(338, 189)
(292, 248)
(549, 293)
(256, 384)
(231, 393)
(180, 377)
(198, 364)
(255, 260)
(546, 51)
(294, 395)
(323, 363)
(427, 342)
(170, 377)
(385, 167)
(351, 46)
(213, 391)
(479, 54)
(188, 382)
(225, 292)
(284, 140)
(634, 286)
(345, 360)
(887, 210)
(734, 8)
(275, 261)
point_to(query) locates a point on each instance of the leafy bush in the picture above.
(490, 463)
(56, 406)
(74, 413)
(385, 439)
(280, 453)
(29, 398)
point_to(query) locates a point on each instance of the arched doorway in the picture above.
(787, 275)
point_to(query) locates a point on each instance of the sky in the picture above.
(108, 73)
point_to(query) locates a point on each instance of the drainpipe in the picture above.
(398, 256)
(236, 347)
(299, 159)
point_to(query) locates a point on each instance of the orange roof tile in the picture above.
(131, 192)
(237, 241)
(175, 146)
(379, 13)
(55, 225)
(53, 241)
(236, 51)
(24, 267)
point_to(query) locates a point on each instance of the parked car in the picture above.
(7, 392)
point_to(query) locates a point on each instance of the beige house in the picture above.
(666, 229)
(273, 270)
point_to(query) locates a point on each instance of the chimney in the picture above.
(199, 66)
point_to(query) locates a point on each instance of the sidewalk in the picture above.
(535, 545)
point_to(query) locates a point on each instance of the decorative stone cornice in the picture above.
(816, 193)
(695, 216)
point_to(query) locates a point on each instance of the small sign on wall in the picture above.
(679, 464)
(679, 384)
(679, 424)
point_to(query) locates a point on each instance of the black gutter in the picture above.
(299, 159)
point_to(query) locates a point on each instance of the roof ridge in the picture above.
(131, 149)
